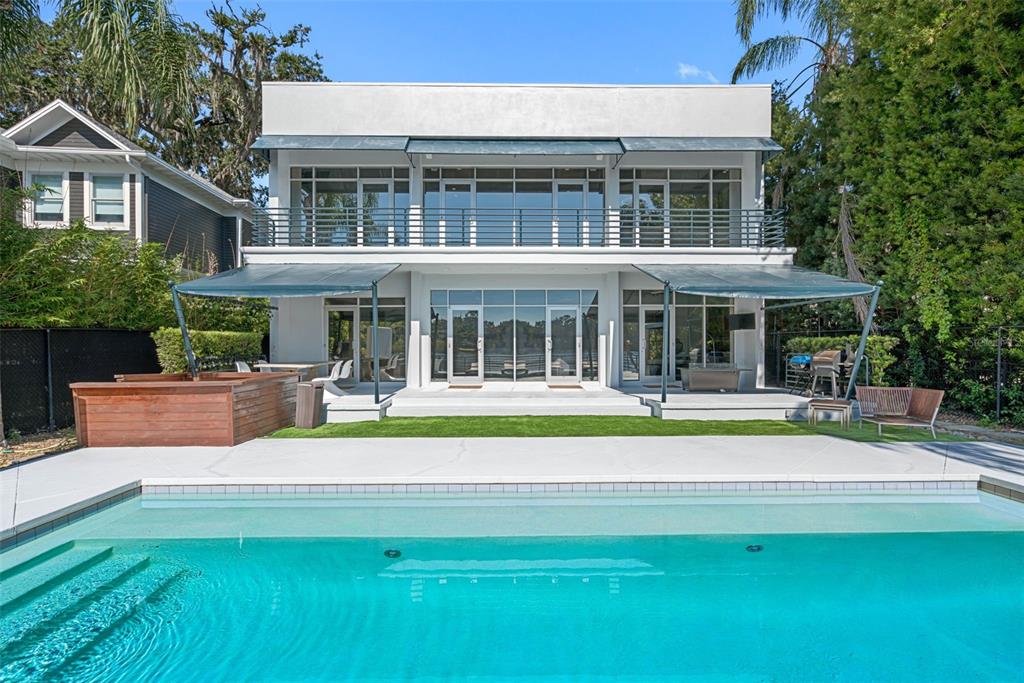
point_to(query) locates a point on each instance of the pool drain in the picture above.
(755, 548)
(392, 554)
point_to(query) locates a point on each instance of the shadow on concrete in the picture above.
(997, 456)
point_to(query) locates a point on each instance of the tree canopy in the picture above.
(188, 92)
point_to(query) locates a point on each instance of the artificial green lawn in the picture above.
(595, 425)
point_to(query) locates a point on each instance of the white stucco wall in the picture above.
(486, 110)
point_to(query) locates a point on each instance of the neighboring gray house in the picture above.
(91, 172)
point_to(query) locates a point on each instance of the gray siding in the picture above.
(131, 204)
(76, 134)
(76, 195)
(184, 227)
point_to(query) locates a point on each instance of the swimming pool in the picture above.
(892, 587)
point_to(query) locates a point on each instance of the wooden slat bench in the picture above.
(901, 406)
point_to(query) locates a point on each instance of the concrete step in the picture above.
(29, 579)
(597, 405)
(63, 600)
(86, 627)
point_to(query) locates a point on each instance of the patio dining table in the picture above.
(306, 370)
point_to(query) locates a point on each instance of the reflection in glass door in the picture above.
(465, 345)
(458, 204)
(650, 204)
(653, 343)
(563, 345)
(341, 337)
(570, 214)
(377, 216)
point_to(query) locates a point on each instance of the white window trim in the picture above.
(126, 188)
(30, 204)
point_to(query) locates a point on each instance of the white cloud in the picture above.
(692, 72)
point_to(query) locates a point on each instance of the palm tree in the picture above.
(136, 51)
(139, 51)
(17, 21)
(826, 28)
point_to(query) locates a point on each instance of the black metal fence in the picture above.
(981, 372)
(36, 367)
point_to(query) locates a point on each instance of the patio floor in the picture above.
(35, 488)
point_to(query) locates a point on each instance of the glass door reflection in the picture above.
(653, 343)
(465, 345)
(458, 214)
(563, 345)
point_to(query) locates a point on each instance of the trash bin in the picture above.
(309, 405)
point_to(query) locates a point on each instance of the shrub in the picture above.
(879, 350)
(170, 349)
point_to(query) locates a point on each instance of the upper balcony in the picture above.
(382, 228)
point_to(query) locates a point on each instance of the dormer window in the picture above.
(48, 205)
(108, 200)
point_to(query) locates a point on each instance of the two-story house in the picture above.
(522, 237)
(81, 169)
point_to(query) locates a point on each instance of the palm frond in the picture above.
(17, 22)
(768, 54)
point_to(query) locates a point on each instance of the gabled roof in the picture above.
(30, 129)
(22, 138)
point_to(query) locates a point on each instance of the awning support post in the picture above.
(868, 319)
(193, 369)
(373, 343)
(664, 346)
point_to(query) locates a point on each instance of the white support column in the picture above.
(609, 307)
(416, 203)
(611, 201)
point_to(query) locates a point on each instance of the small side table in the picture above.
(830, 405)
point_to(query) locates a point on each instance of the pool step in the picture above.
(73, 636)
(18, 626)
(25, 582)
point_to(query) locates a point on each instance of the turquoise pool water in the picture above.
(136, 594)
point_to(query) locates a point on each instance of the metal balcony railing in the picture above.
(520, 227)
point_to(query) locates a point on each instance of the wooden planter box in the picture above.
(219, 409)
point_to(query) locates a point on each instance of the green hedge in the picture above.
(879, 350)
(170, 349)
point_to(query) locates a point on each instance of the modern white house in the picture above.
(523, 237)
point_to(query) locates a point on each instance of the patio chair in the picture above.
(902, 406)
(242, 366)
(825, 366)
(342, 370)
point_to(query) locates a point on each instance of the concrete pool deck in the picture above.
(40, 487)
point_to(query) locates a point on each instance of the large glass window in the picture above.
(700, 332)
(679, 207)
(514, 206)
(515, 330)
(352, 204)
(49, 197)
(391, 341)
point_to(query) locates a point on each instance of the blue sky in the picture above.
(687, 41)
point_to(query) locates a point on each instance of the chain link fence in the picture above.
(36, 367)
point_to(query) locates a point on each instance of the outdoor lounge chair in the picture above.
(342, 370)
(902, 406)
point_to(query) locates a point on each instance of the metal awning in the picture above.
(380, 143)
(696, 144)
(755, 282)
(264, 280)
(512, 146)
